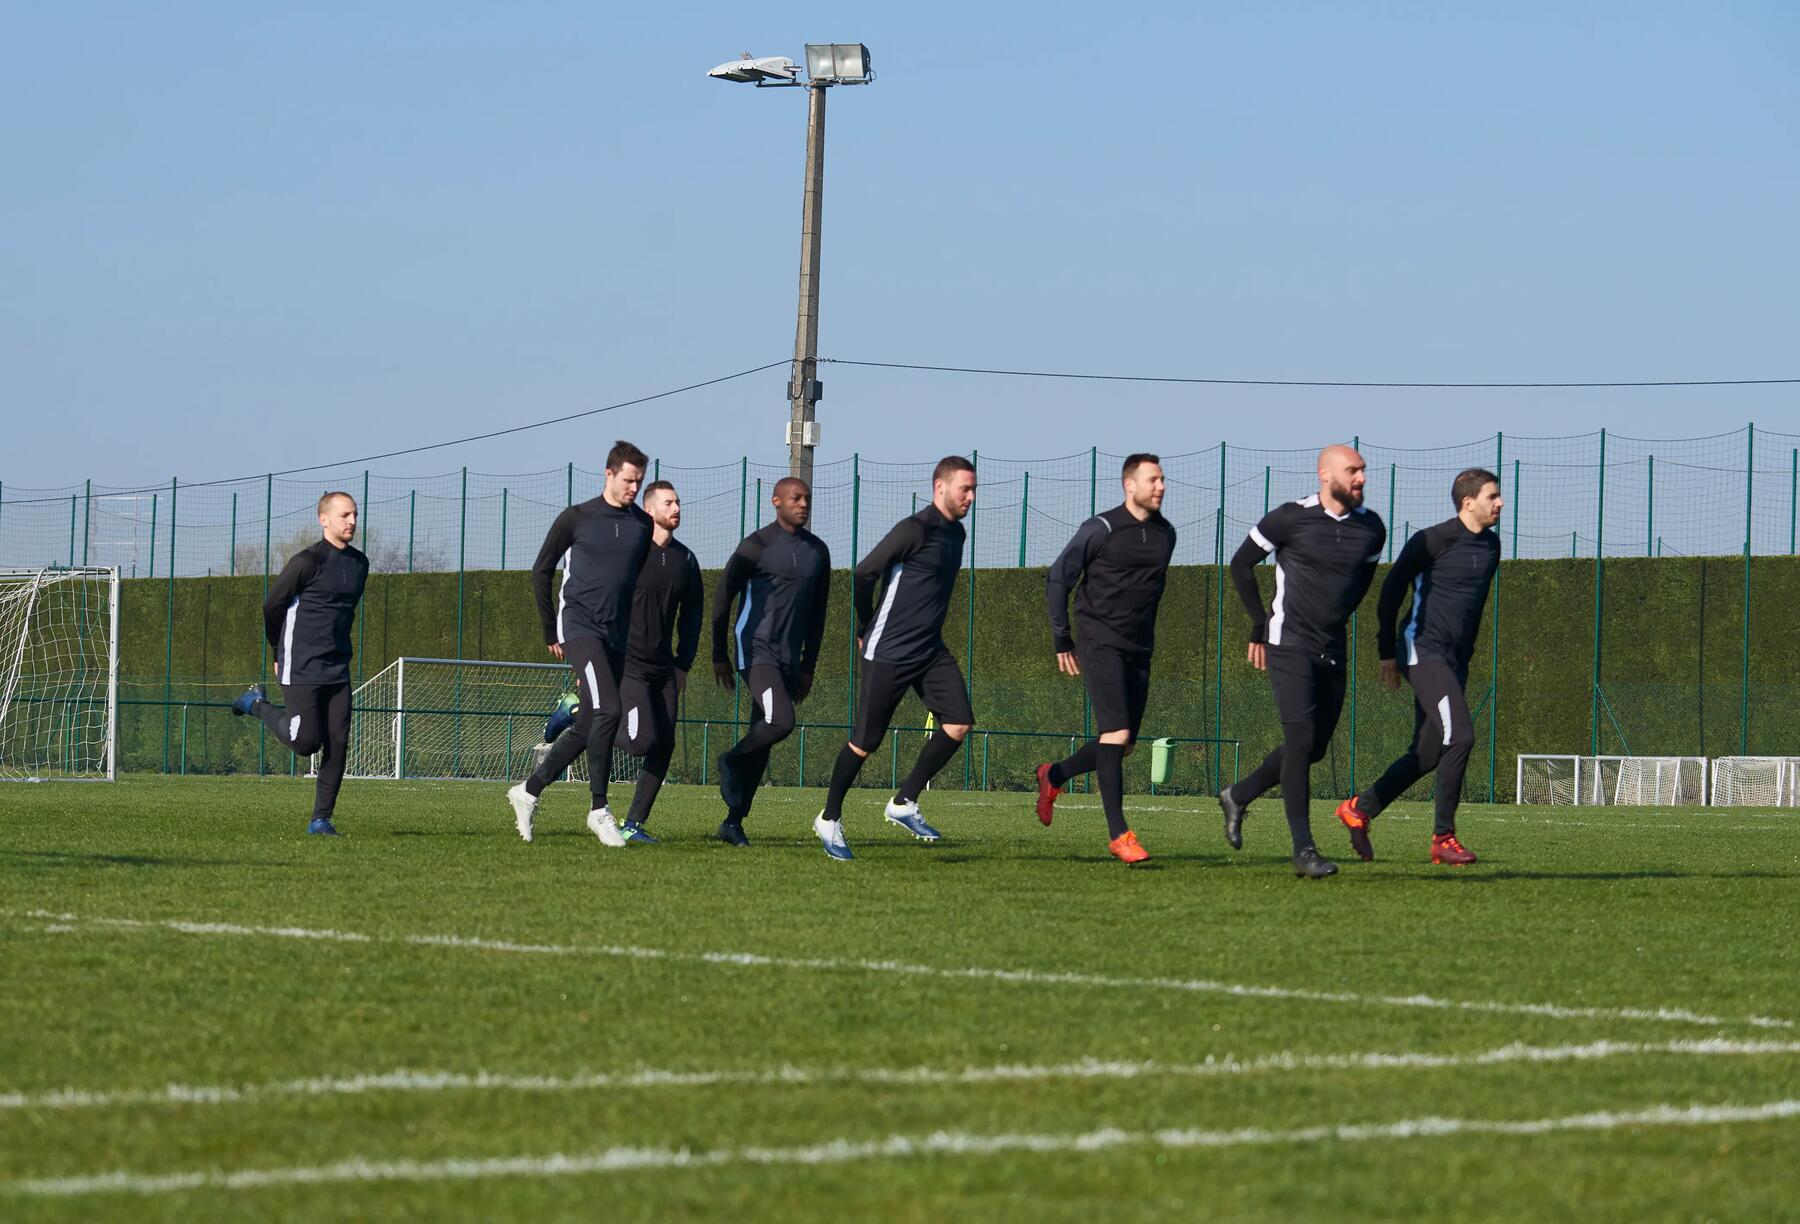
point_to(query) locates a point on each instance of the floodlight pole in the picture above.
(803, 385)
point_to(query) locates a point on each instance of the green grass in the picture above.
(1586, 908)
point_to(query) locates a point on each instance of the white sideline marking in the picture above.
(1032, 977)
(1505, 814)
(894, 1147)
(1082, 1069)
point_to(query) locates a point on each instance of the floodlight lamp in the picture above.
(756, 71)
(838, 64)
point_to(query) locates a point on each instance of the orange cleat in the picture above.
(1046, 800)
(1127, 849)
(1445, 849)
(1358, 824)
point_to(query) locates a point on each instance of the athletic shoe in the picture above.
(247, 703)
(732, 833)
(906, 815)
(728, 784)
(1047, 793)
(831, 834)
(1358, 824)
(636, 835)
(1127, 849)
(1309, 864)
(1449, 852)
(601, 824)
(321, 826)
(1234, 819)
(524, 806)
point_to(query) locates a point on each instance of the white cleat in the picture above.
(602, 825)
(906, 815)
(831, 836)
(524, 806)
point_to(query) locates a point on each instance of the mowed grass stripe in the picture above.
(891, 1148)
(410, 1081)
(1032, 977)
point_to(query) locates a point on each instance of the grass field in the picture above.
(208, 1014)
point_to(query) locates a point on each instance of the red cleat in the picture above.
(1127, 849)
(1358, 824)
(1445, 849)
(1046, 800)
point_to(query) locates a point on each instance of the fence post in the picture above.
(743, 490)
(1793, 496)
(1515, 502)
(262, 732)
(1266, 475)
(1094, 481)
(152, 573)
(969, 651)
(1390, 517)
(1024, 514)
(855, 546)
(412, 519)
(1494, 641)
(462, 545)
(1650, 502)
(362, 668)
(1599, 602)
(503, 497)
(758, 519)
(1356, 444)
(233, 561)
(87, 520)
(169, 628)
(569, 484)
(1749, 505)
(72, 508)
(1219, 629)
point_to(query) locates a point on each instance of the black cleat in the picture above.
(1309, 864)
(732, 833)
(1234, 819)
(728, 783)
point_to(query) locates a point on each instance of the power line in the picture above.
(1304, 382)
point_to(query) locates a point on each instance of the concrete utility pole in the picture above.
(803, 385)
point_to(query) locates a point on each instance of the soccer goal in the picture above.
(1653, 781)
(59, 674)
(459, 718)
(1747, 781)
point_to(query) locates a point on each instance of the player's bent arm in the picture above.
(731, 584)
(543, 570)
(1064, 574)
(815, 628)
(1407, 566)
(689, 616)
(300, 570)
(1243, 576)
(907, 537)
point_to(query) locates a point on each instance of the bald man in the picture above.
(1325, 548)
(782, 572)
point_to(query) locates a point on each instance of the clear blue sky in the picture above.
(242, 236)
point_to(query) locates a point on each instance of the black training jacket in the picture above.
(918, 561)
(1448, 569)
(1324, 563)
(601, 548)
(670, 596)
(1122, 566)
(785, 580)
(310, 611)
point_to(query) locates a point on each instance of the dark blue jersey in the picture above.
(310, 611)
(784, 579)
(1448, 569)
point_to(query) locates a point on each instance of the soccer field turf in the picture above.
(208, 1014)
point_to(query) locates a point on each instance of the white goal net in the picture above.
(59, 666)
(1637, 781)
(459, 718)
(1746, 781)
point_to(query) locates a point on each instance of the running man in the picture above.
(783, 574)
(1448, 569)
(669, 596)
(1121, 560)
(902, 648)
(1325, 547)
(601, 545)
(308, 615)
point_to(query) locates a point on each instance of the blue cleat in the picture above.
(906, 815)
(635, 834)
(831, 835)
(732, 833)
(321, 826)
(247, 703)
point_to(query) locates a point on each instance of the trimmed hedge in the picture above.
(1672, 637)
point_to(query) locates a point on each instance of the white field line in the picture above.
(1083, 1069)
(1502, 814)
(1029, 977)
(893, 1147)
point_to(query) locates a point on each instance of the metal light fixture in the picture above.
(839, 63)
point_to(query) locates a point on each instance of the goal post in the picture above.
(1629, 781)
(459, 718)
(1756, 781)
(59, 674)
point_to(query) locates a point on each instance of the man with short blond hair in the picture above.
(308, 616)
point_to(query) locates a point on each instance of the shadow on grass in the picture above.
(1477, 876)
(71, 858)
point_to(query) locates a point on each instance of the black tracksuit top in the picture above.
(918, 561)
(310, 611)
(785, 579)
(670, 596)
(1448, 568)
(601, 548)
(1122, 566)
(1323, 566)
